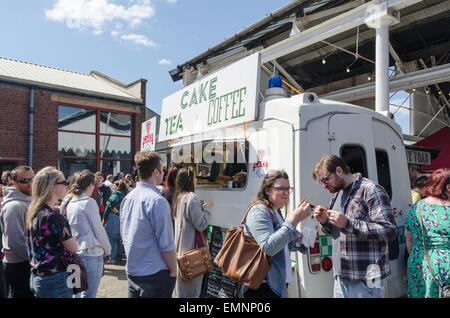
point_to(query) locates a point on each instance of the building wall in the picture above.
(45, 140)
(14, 123)
(14, 105)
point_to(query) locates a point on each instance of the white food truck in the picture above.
(219, 126)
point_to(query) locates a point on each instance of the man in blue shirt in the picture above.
(147, 233)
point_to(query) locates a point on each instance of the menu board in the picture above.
(215, 283)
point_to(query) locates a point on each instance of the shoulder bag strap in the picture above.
(249, 208)
(182, 221)
(424, 246)
(333, 200)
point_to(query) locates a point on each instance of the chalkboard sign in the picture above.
(215, 283)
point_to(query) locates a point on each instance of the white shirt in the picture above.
(109, 184)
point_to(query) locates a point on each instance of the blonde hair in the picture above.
(42, 191)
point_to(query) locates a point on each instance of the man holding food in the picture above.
(361, 222)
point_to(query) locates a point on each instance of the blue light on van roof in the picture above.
(274, 81)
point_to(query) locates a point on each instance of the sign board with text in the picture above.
(225, 98)
(148, 135)
(418, 157)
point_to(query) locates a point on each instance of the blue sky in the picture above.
(125, 39)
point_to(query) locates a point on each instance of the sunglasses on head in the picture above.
(25, 180)
(63, 182)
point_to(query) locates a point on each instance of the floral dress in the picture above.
(435, 220)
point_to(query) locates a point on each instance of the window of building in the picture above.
(217, 164)
(384, 175)
(95, 140)
(355, 157)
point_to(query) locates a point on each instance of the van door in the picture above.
(350, 136)
(393, 176)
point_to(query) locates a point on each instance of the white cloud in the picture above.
(172, 1)
(164, 62)
(138, 39)
(104, 15)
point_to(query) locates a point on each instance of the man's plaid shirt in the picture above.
(364, 246)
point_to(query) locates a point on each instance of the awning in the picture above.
(440, 139)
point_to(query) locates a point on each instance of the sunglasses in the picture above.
(25, 180)
(63, 183)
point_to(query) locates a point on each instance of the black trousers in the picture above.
(264, 291)
(17, 278)
(159, 285)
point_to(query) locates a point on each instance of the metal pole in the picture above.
(379, 17)
(382, 69)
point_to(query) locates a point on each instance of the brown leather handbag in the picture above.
(195, 262)
(241, 258)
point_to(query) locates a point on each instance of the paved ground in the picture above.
(114, 282)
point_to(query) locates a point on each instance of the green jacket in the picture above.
(113, 202)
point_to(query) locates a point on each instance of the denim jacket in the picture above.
(272, 238)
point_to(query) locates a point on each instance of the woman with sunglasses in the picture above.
(92, 240)
(49, 238)
(275, 235)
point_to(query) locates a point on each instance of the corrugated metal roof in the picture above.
(44, 76)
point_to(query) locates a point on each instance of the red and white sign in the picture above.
(261, 163)
(148, 135)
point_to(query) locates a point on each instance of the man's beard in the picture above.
(338, 187)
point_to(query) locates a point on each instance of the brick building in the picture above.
(69, 120)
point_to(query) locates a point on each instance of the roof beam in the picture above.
(411, 80)
(334, 26)
(396, 58)
(288, 76)
(370, 33)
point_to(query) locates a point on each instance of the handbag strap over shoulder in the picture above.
(181, 225)
(248, 210)
(427, 256)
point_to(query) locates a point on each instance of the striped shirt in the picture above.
(370, 225)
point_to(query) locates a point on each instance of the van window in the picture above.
(217, 164)
(355, 157)
(384, 176)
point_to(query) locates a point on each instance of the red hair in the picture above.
(436, 185)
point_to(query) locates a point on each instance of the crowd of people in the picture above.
(46, 220)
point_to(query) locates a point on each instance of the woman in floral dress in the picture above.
(49, 238)
(435, 211)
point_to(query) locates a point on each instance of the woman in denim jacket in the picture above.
(276, 236)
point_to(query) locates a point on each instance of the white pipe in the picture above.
(382, 68)
(30, 128)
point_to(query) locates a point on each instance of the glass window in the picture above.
(115, 124)
(115, 147)
(217, 164)
(384, 176)
(79, 145)
(76, 119)
(69, 166)
(114, 167)
(355, 158)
